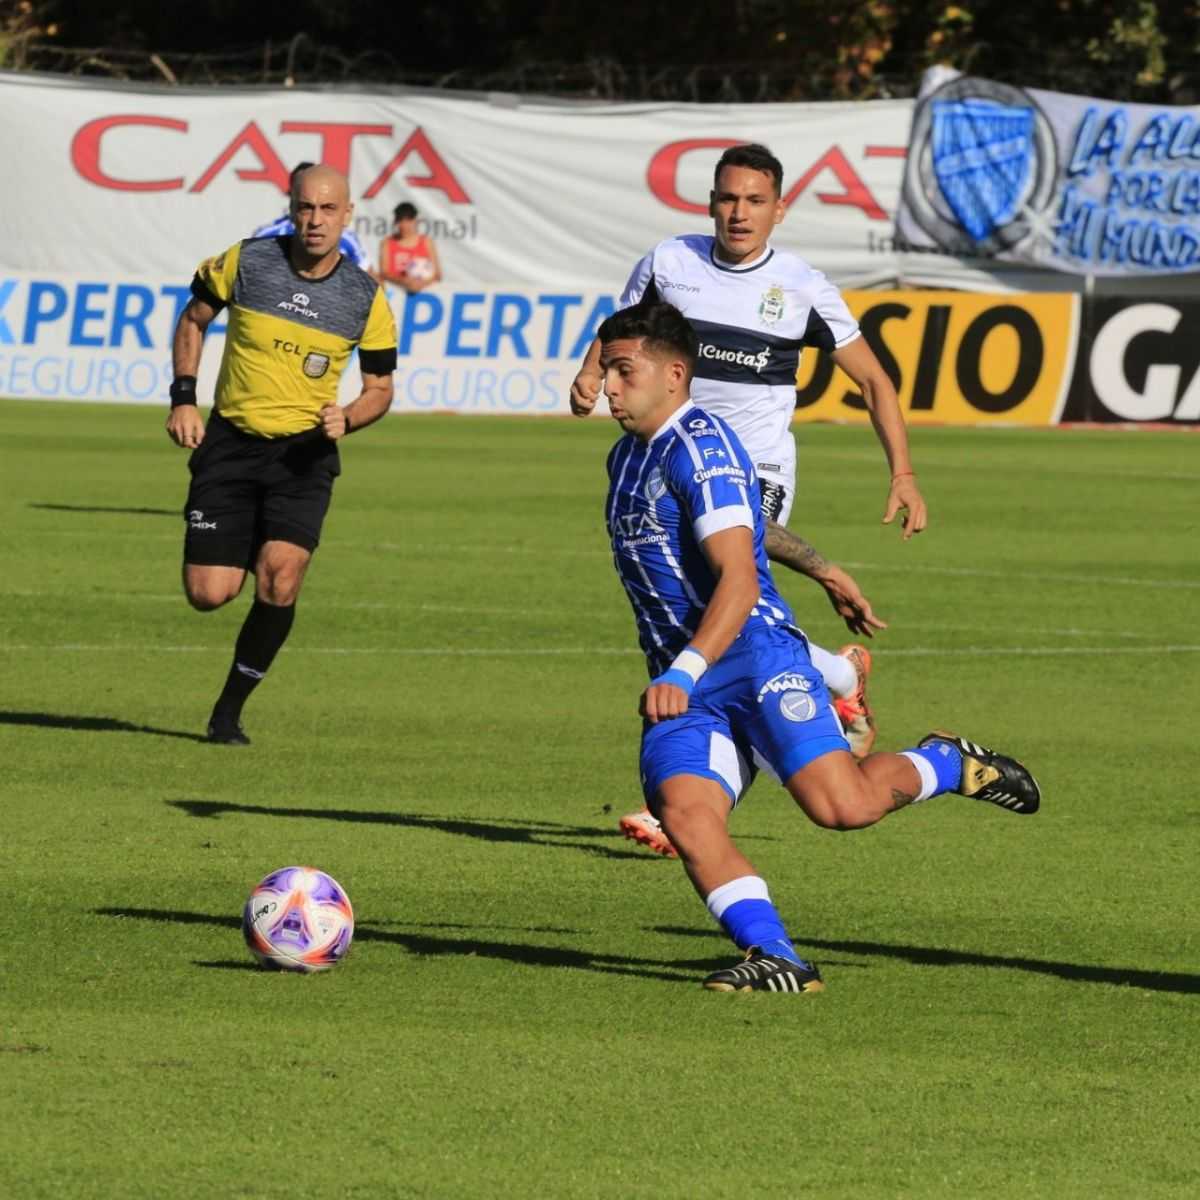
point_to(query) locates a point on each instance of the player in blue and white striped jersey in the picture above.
(754, 308)
(693, 469)
(284, 226)
(732, 686)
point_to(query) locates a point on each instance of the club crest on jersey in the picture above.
(785, 681)
(315, 365)
(797, 706)
(656, 485)
(770, 308)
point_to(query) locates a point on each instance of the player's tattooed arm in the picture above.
(783, 546)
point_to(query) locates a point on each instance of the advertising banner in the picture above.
(512, 350)
(1138, 361)
(1072, 183)
(955, 358)
(144, 180)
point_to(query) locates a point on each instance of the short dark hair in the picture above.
(404, 212)
(297, 171)
(755, 156)
(661, 327)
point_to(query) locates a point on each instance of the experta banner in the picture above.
(496, 350)
(148, 180)
(1050, 180)
(1042, 358)
(955, 357)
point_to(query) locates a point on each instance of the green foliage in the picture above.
(1136, 40)
(710, 49)
(1012, 1004)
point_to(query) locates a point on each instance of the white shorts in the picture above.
(777, 481)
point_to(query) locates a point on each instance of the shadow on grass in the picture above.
(97, 508)
(418, 943)
(930, 956)
(91, 724)
(496, 829)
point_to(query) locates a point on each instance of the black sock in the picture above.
(263, 632)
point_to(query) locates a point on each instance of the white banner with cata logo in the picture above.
(110, 178)
(1050, 180)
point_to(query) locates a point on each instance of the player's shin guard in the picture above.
(262, 635)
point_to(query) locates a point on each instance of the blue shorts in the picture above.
(762, 705)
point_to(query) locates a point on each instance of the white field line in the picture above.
(888, 568)
(588, 651)
(1030, 576)
(502, 610)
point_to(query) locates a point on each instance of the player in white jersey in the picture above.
(754, 308)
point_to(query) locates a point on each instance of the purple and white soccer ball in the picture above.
(298, 919)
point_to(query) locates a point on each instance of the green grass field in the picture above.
(1013, 1004)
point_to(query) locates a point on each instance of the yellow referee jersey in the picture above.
(289, 338)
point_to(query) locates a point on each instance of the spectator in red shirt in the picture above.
(407, 257)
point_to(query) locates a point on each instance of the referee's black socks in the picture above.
(263, 632)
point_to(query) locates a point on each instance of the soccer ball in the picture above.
(419, 269)
(298, 919)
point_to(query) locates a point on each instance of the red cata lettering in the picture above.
(440, 176)
(86, 145)
(270, 170)
(662, 178)
(336, 138)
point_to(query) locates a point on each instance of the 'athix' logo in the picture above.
(298, 304)
(981, 168)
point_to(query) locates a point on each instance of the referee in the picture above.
(263, 469)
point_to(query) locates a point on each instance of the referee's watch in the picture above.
(182, 390)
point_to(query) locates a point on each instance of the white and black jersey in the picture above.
(751, 323)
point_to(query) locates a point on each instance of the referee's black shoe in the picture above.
(989, 776)
(766, 973)
(226, 731)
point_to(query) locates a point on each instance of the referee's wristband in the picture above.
(182, 390)
(685, 671)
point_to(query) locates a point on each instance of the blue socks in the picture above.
(940, 767)
(744, 909)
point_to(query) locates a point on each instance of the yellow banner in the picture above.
(956, 358)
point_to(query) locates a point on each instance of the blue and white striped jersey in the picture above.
(691, 480)
(348, 243)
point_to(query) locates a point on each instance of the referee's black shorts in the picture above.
(248, 490)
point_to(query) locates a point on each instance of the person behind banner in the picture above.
(264, 467)
(407, 257)
(283, 226)
(732, 686)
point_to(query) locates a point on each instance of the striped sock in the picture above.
(940, 767)
(744, 909)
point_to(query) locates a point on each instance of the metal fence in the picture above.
(304, 60)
